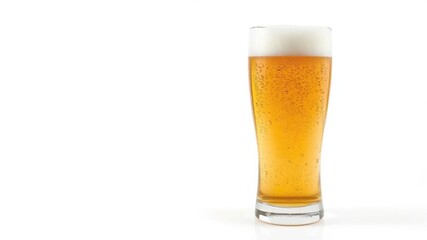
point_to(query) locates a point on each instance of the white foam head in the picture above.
(290, 41)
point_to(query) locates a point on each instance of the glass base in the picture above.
(290, 216)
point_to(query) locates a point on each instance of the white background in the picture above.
(132, 119)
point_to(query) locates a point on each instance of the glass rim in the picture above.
(289, 26)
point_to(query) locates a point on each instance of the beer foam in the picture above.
(290, 41)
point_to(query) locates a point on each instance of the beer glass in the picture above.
(290, 70)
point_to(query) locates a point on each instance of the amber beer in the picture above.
(290, 70)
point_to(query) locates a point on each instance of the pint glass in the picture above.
(290, 71)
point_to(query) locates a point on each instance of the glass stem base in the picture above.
(290, 216)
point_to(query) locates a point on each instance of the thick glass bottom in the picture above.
(290, 216)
